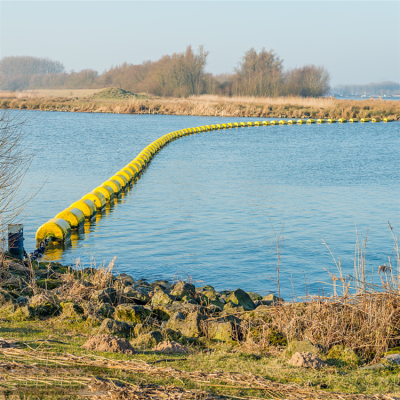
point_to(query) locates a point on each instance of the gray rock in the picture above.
(164, 312)
(104, 296)
(131, 313)
(42, 306)
(160, 297)
(374, 367)
(231, 308)
(125, 279)
(208, 297)
(393, 358)
(145, 327)
(207, 288)
(172, 335)
(191, 326)
(106, 310)
(254, 296)
(271, 299)
(136, 294)
(221, 331)
(163, 283)
(117, 328)
(183, 291)
(242, 299)
(94, 320)
(143, 282)
(71, 310)
(300, 346)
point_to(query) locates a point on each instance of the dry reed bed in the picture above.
(58, 366)
(207, 105)
(368, 323)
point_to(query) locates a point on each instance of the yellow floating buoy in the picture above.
(364, 120)
(87, 207)
(377, 119)
(387, 120)
(331, 120)
(291, 122)
(265, 123)
(342, 120)
(236, 125)
(106, 191)
(97, 198)
(274, 122)
(321, 121)
(121, 179)
(352, 120)
(282, 122)
(249, 124)
(242, 124)
(130, 170)
(57, 229)
(126, 174)
(311, 121)
(301, 121)
(114, 185)
(74, 217)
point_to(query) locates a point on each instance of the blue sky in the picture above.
(357, 41)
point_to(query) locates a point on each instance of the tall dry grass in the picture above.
(208, 105)
(362, 315)
(321, 102)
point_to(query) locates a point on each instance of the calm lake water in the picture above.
(205, 205)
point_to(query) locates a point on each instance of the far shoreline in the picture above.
(85, 101)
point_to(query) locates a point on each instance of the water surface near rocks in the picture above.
(205, 203)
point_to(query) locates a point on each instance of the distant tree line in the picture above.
(178, 75)
(371, 89)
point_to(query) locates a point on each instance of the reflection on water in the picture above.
(204, 204)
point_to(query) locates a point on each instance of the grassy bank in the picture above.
(114, 101)
(237, 344)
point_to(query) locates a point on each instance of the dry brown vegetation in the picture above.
(49, 93)
(209, 105)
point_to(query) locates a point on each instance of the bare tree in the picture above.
(15, 159)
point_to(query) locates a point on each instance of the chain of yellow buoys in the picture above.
(72, 218)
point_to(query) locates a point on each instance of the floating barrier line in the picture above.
(59, 229)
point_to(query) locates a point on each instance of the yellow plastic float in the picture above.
(98, 199)
(352, 120)
(331, 120)
(283, 122)
(56, 229)
(321, 121)
(342, 120)
(74, 217)
(311, 121)
(106, 191)
(87, 207)
(301, 121)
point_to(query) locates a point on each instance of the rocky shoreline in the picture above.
(119, 305)
(87, 319)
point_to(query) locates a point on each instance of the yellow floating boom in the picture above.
(59, 228)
